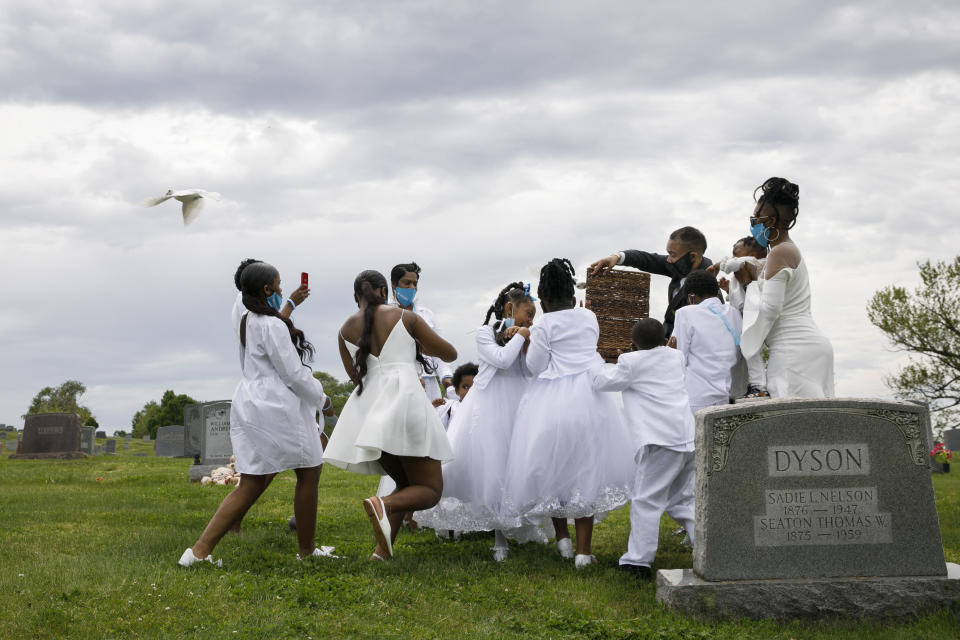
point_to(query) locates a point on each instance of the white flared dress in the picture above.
(273, 424)
(480, 433)
(777, 313)
(570, 454)
(392, 415)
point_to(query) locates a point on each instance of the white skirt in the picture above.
(480, 434)
(392, 415)
(570, 454)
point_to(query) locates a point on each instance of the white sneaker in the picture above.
(188, 559)
(319, 552)
(565, 548)
(583, 560)
(500, 553)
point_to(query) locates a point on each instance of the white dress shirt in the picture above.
(708, 335)
(654, 397)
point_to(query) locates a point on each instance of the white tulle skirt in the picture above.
(570, 454)
(480, 434)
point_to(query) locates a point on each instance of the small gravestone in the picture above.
(126, 444)
(98, 450)
(3, 434)
(87, 435)
(110, 447)
(951, 438)
(146, 438)
(807, 508)
(50, 435)
(101, 434)
(169, 442)
(215, 446)
(193, 426)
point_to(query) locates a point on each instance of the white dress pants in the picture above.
(664, 483)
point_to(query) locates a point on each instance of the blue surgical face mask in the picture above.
(507, 323)
(760, 234)
(275, 301)
(404, 297)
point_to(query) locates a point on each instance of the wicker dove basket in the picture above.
(619, 298)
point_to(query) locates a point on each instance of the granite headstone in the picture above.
(110, 447)
(101, 434)
(169, 442)
(806, 506)
(146, 438)
(215, 445)
(50, 435)
(87, 436)
(951, 439)
(193, 426)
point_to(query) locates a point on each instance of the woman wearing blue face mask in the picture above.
(285, 308)
(777, 312)
(272, 425)
(405, 279)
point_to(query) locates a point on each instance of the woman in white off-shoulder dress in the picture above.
(777, 311)
(482, 427)
(388, 426)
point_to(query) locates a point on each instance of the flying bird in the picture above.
(192, 200)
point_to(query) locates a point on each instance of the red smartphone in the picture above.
(303, 279)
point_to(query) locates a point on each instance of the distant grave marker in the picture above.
(215, 445)
(87, 443)
(101, 434)
(193, 427)
(50, 435)
(110, 447)
(146, 438)
(169, 442)
(806, 506)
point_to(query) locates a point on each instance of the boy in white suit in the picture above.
(707, 333)
(661, 425)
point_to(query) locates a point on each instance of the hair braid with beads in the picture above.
(557, 284)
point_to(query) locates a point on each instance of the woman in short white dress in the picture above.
(570, 454)
(481, 429)
(388, 426)
(272, 416)
(777, 312)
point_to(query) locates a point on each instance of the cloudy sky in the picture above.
(480, 139)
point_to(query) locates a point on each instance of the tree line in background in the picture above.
(925, 324)
(169, 410)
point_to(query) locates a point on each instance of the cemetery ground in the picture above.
(89, 550)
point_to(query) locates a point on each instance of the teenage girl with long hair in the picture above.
(388, 426)
(272, 416)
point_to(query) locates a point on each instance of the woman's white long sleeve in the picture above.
(770, 306)
(283, 356)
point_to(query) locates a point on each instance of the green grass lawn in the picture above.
(89, 550)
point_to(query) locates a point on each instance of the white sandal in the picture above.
(381, 525)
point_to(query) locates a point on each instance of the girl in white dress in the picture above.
(388, 426)
(570, 454)
(272, 423)
(776, 311)
(481, 430)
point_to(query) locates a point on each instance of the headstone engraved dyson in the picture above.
(812, 506)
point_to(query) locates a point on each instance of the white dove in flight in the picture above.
(192, 200)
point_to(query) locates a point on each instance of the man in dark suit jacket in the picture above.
(685, 250)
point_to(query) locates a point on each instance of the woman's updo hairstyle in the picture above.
(243, 265)
(515, 292)
(366, 286)
(557, 283)
(783, 196)
(253, 278)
